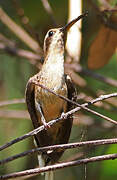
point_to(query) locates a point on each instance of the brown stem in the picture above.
(60, 146)
(35, 131)
(37, 171)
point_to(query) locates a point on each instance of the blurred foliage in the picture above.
(15, 72)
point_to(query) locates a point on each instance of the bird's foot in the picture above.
(63, 115)
(46, 125)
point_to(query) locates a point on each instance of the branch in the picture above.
(14, 51)
(19, 52)
(49, 10)
(61, 147)
(103, 97)
(31, 133)
(104, 7)
(83, 106)
(10, 102)
(19, 32)
(24, 19)
(37, 171)
(78, 68)
(17, 114)
(11, 48)
(6, 40)
(35, 131)
(33, 59)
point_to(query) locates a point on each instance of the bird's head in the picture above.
(55, 38)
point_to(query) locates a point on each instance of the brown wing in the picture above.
(67, 123)
(72, 94)
(42, 137)
(30, 101)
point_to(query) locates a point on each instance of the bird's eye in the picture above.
(50, 33)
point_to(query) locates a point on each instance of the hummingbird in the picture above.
(43, 106)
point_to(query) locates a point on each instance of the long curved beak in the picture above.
(71, 23)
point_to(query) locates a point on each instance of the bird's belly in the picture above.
(51, 105)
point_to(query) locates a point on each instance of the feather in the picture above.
(49, 175)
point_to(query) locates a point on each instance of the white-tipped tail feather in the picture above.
(49, 175)
(41, 162)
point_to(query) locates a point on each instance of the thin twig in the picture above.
(34, 59)
(61, 147)
(105, 4)
(49, 10)
(35, 131)
(14, 114)
(10, 47)
(59, 166)
(24, 19)
(13, 101)
(6, 40)
(78, 68)
(31, 133)
(101, 12)
(103, 97)
(19, 52)
(83, 106)
(20, 32)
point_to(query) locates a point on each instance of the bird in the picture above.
(42, 105)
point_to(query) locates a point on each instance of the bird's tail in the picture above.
(41, 162)
(48, 175)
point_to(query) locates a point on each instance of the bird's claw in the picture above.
(63, 115)
(46, 126)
